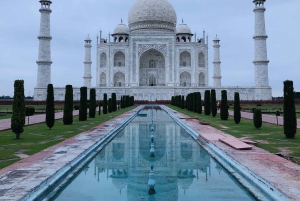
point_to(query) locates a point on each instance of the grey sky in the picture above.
(72, 21)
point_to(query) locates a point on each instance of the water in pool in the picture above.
(182, 169)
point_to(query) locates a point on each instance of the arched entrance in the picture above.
(152, 69)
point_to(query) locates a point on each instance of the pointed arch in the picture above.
(102, 80)
(185, 58)
(201, 60)
(103, 59)
(185, 79)
(119, 79)
(201, 80)
(119, 59)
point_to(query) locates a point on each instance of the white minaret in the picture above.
(87, 63)
(260, 46)
(217, 62)
(44, 59)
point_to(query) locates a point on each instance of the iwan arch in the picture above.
(153, 58)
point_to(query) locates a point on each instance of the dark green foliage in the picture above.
(257, 118)
(213, 103)
(289, 110)
(127, 101)
(18, 109)
(172, 100)
(122, 102)
(104, 103)
(195, 102)
(207, 102)
(92, 105)
(109, 105)
(76, 107)
(200, 103)
(237, 108)
(29, 111)
(50, 109)
(68, 106)
(182, 102)
(114, 102)
(99, 110)
(224, 105)
(83, 104)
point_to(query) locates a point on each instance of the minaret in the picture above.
(260, 46)
(44, 59)
(87, 63)
(217, 69)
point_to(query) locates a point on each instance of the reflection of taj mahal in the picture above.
(177, 158)
(154, 58)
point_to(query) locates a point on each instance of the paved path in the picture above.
(36, 119)
(279, 172)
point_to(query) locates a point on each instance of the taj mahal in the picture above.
(154, 57)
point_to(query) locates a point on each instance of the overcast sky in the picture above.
(73, 20)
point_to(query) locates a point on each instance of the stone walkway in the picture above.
(36, 119)
(279, 172)
(20, 178)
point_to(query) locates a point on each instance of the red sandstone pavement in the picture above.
(22, 177)
(279, 172)
(36, 119)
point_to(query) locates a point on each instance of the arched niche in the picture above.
(152, 68)
(201, 79)
(103, 59)
(119, 59)
(118, 150)
(102, 80)
(201, 60)
(119, 79)
(185, 79)
(185, 59)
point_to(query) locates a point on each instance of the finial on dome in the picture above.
(121, 20)
(182, 20)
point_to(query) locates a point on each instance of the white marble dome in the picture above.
(121, 29)
(152, 14)
(183, 29)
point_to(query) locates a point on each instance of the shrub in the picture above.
(207, 102)
(182, 102)
(99, 110)
(92, 105)
(114, 102)
(109, 105)
(257, 118)
(29, 111)
(224, 105)
(213, 103)
(18, 109)
(50, 110)
(200, 103)
(68, 106)
(83, 104)
(289, 110)
(237, 108)
(104, 103)
(76, 107)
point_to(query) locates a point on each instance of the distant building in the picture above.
(153, 58)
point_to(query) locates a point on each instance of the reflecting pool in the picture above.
(182, 169)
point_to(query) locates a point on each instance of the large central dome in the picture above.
(152, 14)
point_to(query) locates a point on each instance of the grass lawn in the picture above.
(38, 137)
(270, 137)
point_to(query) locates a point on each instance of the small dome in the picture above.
(121, 29)
(88, 38)
(216, 38)
(183, 29)
(152, 14)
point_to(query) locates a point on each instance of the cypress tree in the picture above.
(50, 110)
(257, 119)
(68, 106)
(237, 108)
(114, 102)
(122, 102)
(213, 103)
(182, 102)
(195, 102)
(92, 109)
(83, 104)
(127, 101)
(289, 110)
(18, 109)
(110, 105)
(99, 111)
(104, 103)
(207, 102)
(200, 99)
(198, 102)
(224, 105)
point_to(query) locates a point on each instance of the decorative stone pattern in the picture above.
(144, 47)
